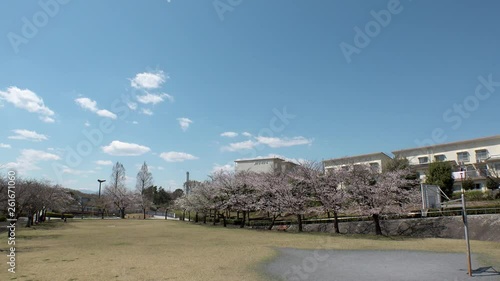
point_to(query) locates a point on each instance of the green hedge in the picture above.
(475, 195)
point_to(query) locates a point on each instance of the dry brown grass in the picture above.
(171, 250)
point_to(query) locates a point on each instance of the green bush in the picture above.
(476, 195)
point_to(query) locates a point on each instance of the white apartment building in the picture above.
(475, 159)
(264, 165)
(377, 160)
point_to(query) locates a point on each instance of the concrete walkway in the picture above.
(335, 265)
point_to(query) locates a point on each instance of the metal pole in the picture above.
(466, 228)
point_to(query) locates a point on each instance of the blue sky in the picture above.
(84, 84)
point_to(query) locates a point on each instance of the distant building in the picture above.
(474, 159)
(377, 160)
(264, 165)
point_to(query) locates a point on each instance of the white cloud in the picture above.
(86, 124)
(68, 170)
(28, 100)
(3, 145)
(226, 168)
(237, 146)
(154, 98)
(27, 135)
(118, 148)
(132, 105)
(87, 103)
(47, 119)
(161, 168)
(106, 113)
(29, 158)
(229, 134)
(104, 162)
(283, 142)
(173, 156)
(135, 122)
(91, 105)
(184, 123)
(246, 134)
(148, 80)
(147, 111)
(269, 141)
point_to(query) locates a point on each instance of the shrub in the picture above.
(468, 184)
(476, 195)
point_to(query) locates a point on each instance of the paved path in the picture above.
(335, 265)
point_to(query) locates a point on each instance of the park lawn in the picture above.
(172, 250)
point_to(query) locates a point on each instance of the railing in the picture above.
(470, 174)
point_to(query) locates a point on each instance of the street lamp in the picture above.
(100, 182)
(100, 210)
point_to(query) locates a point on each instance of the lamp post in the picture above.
(100, 210)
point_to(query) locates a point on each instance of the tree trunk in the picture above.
(376, 220)
(336, 222)
(242, 224)
(204, 218)
(224, 219)
(215, 216)
(189, 216)
(28, 223)
(272, 222)
(328, 214)
(196, 217)
(144, 213)
(184, 215)
(237, 215)
(102, 214)
(166, 213)
(122, 213)
(299, 219)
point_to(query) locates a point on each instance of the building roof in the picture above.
(258, 159)
(448, 143)
(358, 156)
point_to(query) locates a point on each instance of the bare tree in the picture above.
(116, 190)
(144, 181)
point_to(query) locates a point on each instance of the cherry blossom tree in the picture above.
(271, 189)
(326, 189)
(374, 194)
(296, 195)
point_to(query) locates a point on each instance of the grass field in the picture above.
(172, 250)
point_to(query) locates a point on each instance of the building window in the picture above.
(439, 158)
(375, 165)
(423, 160)
(463, 156)
(497, 167)
(481, 155)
